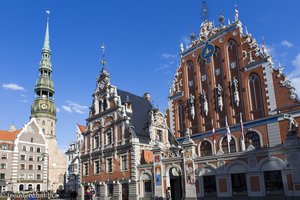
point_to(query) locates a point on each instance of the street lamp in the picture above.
(43, 158)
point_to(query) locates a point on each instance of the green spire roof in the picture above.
(47, 39)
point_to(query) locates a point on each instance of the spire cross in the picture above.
(204, 10)
(103, 61)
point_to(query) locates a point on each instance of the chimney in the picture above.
(147, 96)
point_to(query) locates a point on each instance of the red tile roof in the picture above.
(81, 128)
(9, 136)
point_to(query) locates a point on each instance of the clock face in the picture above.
(44, 106)
(207, 51)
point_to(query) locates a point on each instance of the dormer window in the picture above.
(159, 136)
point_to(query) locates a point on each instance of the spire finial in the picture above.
(47, 39)
(204, 10)
(103, 60)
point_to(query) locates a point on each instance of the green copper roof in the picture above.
(47, 39)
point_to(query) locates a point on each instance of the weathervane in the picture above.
(204, 10)
(103, 60)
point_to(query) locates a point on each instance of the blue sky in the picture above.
(142, 40)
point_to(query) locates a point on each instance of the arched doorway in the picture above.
(38, 187)
(175, 190)
(21, 187)
(29, 187)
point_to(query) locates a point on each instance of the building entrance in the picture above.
(273, 183)
(175, 183)
(239, 184)
(210, 188)
(125, 191)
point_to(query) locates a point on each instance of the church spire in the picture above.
(43, 106)
(47, 39)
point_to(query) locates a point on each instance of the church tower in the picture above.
(44, 111)
(43, 108)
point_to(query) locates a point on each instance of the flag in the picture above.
(228, 134)
(214, 135)
(242, 133)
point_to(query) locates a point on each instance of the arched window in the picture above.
(29, 187)
(38, 187)
(180, 115)
(232, 54)
(191, 82)
(252, 138)
(255, 96)
(21, 187)
(231, 145)
(205, 149)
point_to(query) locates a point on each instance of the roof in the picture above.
(81, 128)
(140, 116)
(9, 135)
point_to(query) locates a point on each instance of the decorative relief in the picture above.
(236, 98)
(220, 98)
(204, 103)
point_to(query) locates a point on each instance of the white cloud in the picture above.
(57, 110)
(162, 67)
(286, 44)
(294, 75)
(23, 101)
(12, 86)
(168, 56)
(74, 107)
(67, 108)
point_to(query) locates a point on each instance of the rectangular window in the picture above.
(24, 148)
(108, 137)
(97, 167)
(96, 141)
(39, 158)
(2, 176)
(2, 165)
(38, 149)
(30, 167)
(39, 176)
(124, 163)
(4, 146)
(23, 157)
(30, 158)
(86, 169)
(22, 176)
(4, 156)
(22, 166)
(30, 176)
(31, 149)
(39, 167)
(109, 164)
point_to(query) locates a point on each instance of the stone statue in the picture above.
(293, 124)
(220, 98)
(192, 107)
(236, 97)
(181, 47)
(205, 104)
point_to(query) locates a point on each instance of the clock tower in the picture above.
(43, 108)
(44, 111)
